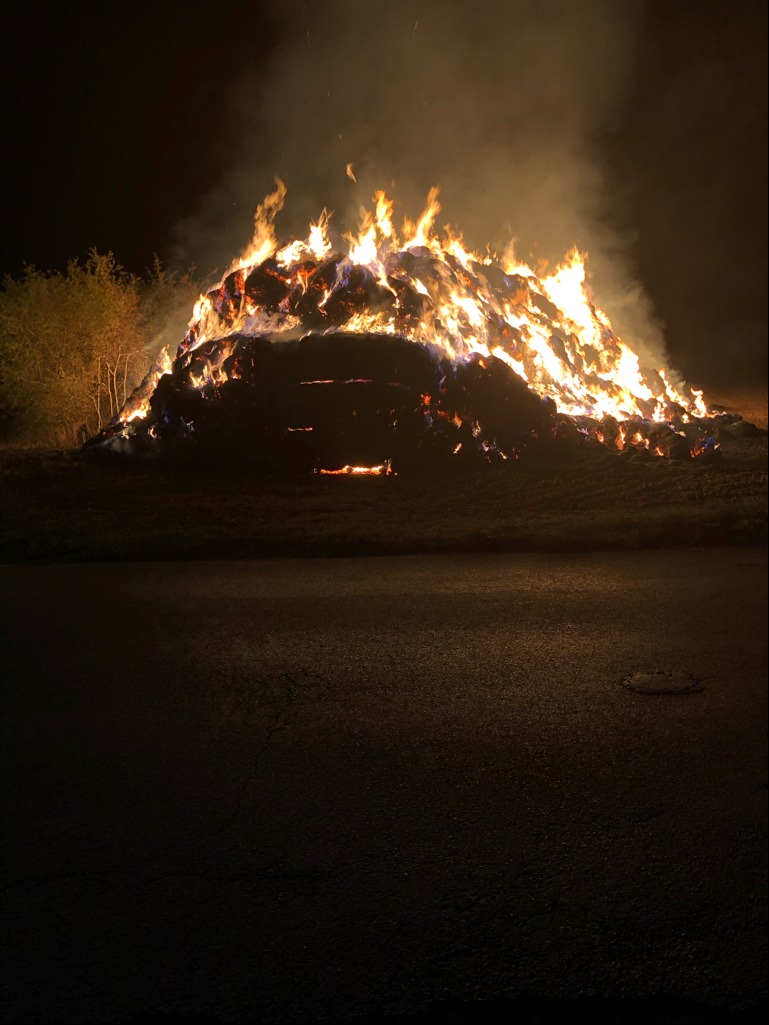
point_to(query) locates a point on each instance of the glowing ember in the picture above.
(427, 289)
(370, 471)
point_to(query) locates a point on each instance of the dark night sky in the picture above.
(118, 122)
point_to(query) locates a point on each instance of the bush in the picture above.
(74, 345)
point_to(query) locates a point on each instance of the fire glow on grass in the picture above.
(426, 288)
(370, 471)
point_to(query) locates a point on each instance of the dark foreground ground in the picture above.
(522, 788)
(64, 506)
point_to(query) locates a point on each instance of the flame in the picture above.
(138, 404)
(566, 289)
(419, 234)
(263, 242)
(372, 471)
(384, 215)
(572, 355)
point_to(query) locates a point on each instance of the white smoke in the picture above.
(501, 103)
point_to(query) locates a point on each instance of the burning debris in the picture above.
(407, 351)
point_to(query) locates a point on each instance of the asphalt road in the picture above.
(335, 790)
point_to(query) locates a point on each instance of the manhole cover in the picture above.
(660, 681)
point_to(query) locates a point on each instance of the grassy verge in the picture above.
(60, 506)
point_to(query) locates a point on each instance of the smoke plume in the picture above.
(502, 104)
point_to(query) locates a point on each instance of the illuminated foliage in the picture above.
(74, 344)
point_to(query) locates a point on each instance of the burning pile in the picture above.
(407, 350)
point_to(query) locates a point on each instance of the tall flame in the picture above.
(547, 328)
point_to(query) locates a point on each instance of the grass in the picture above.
(62, 506)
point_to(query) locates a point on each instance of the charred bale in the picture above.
(268, 284)
(341, 356)
(359, 291)
(486, 390)
(670, 443)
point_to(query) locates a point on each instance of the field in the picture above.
(64, 506)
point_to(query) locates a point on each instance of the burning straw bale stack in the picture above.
(327, 401)
(399, 358)
(334, 400)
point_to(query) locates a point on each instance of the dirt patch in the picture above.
(662, 681)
